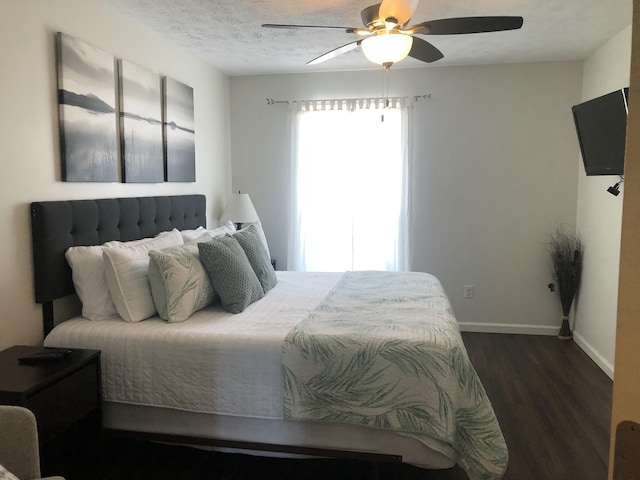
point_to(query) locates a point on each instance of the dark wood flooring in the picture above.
(553, 404)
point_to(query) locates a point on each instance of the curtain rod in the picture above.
(271, 101)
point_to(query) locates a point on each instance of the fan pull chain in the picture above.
(385, 92)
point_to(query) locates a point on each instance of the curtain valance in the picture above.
(351, 104)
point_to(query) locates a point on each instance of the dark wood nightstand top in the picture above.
(22, 381)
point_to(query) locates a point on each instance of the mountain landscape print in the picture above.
(179, 132)
(141, 124)
(86, 99)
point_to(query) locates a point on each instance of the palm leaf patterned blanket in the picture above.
(384, 350)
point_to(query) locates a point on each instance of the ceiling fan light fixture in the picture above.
(390, 23)
(387, 48)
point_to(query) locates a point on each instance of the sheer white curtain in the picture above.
(349, 185)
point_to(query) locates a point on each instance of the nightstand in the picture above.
(61, 393)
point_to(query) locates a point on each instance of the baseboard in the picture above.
(550, 330)
(602, 362)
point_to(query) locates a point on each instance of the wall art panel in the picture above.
(179, 133)
(140, 124)
(86, 105)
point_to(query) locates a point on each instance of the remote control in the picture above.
(45, 356)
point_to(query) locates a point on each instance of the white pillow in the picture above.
(189, 235)
(6, 474)
(87, 271)
(126, 271)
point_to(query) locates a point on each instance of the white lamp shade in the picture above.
(239, 209)
(387, 48)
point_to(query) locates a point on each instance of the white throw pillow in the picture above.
(189, 235)
(89, 280)
(126, 271)
(180, 285)
(6, 474)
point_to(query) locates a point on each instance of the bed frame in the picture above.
(58, 225)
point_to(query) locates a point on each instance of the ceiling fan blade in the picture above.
(401, 10)
(455, 26)
(424, 51)
(335, 52)
(321, 27)
(370, 14)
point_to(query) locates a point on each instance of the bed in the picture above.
(318, 366)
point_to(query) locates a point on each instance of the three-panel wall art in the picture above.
(108, 106)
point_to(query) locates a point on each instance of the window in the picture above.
(349, 193)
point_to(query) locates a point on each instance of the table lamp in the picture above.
(239, 210)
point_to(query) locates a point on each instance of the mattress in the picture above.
(215, 362)
(219, 375)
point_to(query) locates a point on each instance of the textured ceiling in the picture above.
(228, 34)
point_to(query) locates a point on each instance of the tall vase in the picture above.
(565, 329)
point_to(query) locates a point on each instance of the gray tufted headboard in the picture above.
(58, 225)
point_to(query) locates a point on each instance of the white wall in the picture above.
(600, 217)
(30, 159)
(494, 172)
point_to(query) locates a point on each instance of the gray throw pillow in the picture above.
(249, 240)
(231, 273)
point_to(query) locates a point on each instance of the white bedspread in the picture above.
(215, 362)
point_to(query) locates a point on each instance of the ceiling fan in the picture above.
(387, 39)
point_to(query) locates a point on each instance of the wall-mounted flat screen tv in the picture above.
(601, 125)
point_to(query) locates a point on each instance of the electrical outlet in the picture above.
(468, 291)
